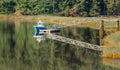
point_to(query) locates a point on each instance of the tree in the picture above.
(103, 8)
(95, 9)
(110, 6)
(61, 7)
(7, 7)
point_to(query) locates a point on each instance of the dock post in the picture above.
(101, 32)
(117, 26)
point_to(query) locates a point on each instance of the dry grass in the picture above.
(88, 21)
(112, 46)
(114, 37)
(107, 62)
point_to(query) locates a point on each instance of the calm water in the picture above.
(20, 51)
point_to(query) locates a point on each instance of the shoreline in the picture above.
(50, 18)
(79, 21)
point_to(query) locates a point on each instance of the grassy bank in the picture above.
(92, 22)
(112, 43)
(49, 18)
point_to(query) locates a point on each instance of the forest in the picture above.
(61, 7)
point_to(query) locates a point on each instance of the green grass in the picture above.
(113, 38)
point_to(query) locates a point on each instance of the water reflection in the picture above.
(20, 51)
(111, 62)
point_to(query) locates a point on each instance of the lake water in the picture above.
(19, 50)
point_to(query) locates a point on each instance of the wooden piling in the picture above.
(101, 32)
(117, 26)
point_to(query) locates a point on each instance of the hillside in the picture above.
(60, 7)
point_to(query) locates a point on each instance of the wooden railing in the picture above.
(75, 42)
(103, 30)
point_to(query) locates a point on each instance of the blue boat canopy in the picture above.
(37, 29)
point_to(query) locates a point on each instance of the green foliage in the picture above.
(112, 7)
(95, 9)
(61, 7)
(7, 6)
